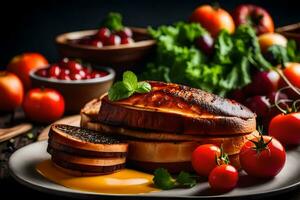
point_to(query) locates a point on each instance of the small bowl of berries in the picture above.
(78, 83)
(113, 44)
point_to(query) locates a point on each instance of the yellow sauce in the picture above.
(126, 181)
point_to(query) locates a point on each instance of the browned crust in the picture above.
(65, 139)
(184, 99)
(52, 145)
(116, 115)
(175, 167)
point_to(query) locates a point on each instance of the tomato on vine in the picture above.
(262, 157)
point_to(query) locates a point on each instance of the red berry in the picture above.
(54, 71)
(103, 33)
(74, 66)
(75, 77)
(113, 40)
(127, 40)
(96, 43)
(64, 62)
(42, 72)
(64, 77)
(125, 33)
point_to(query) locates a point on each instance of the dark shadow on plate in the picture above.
(247, 181)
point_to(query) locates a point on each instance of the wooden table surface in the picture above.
(9, 187)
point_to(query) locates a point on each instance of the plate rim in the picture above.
(87, 194)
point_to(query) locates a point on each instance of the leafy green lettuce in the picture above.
(178, 60)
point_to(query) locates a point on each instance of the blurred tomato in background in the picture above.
(22, 64)
(43, 105)
(11, 91)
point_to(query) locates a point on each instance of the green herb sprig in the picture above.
(127, 87)
(163, 180)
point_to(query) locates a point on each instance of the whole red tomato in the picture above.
(214, 19)
(255, 16)
(223, 178)
(263, 157)
(292, 73)
(204, 158)
(11, 91)
(43, 105)
(286, 128)
(22, 64)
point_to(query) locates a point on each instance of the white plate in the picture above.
(22, 167)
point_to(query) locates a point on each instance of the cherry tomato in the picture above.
(213, 19)
(223, 178)
(264, 159)
(11, 91)
(43, 105)
(42, 72)
(113, 40)
(286, 128)
(22, 64)
(204, 158)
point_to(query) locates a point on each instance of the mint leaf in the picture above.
(163, 180)
(143, 87)
(119, 91)
(113, 21)
(186, 180)
(127, 87)
(130, 80)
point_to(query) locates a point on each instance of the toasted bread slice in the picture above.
(87, 165)
(84, 139)
(178, 109)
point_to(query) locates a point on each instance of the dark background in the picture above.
(32, 26)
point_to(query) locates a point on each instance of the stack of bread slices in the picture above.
(164, 126)
(83, 152)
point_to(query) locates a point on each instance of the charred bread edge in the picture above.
(68, 140)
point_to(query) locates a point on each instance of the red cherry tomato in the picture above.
(286, 128)
(125, 33)
(204, 158)
(11, 91)
(43, 105)
(42, 72)
(75, 77)
(264, 159)
(223, 178)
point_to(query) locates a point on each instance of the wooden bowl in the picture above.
(113, 56)
(291, 31)
(76, 92)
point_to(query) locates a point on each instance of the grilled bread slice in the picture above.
(176, 109)
(85, 142)
(85, 152)
(231, 144)
(86, 165)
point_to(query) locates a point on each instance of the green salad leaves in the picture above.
(178, 60)
(127, 87)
